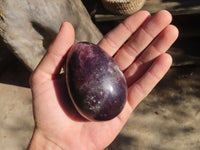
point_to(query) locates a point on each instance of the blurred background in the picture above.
(168, 119)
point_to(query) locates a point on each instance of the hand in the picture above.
(139, 44)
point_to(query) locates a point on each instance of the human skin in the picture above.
(139, 46)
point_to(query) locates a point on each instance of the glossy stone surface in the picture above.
(96, 85)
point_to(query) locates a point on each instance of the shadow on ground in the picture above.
(12, 70)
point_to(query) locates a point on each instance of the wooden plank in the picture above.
(176, 7)
(29, 26)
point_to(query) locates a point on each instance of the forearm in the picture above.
(39, 142)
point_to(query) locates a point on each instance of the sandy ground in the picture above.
(16, 119)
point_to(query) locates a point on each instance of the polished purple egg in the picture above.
(96, 85)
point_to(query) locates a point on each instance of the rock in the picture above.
(28, 26)
(95, 83)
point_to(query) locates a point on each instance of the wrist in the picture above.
(40, 142)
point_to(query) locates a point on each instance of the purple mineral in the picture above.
(95, 83)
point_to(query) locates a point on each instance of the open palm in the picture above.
(138, 44)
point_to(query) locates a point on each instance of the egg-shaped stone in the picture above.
(96, 85)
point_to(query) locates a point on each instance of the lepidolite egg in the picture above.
(95, 83)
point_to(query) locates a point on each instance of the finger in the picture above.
(114, 39)
(142, 38)
(50, 64)
(160, 45)
(142, 87)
